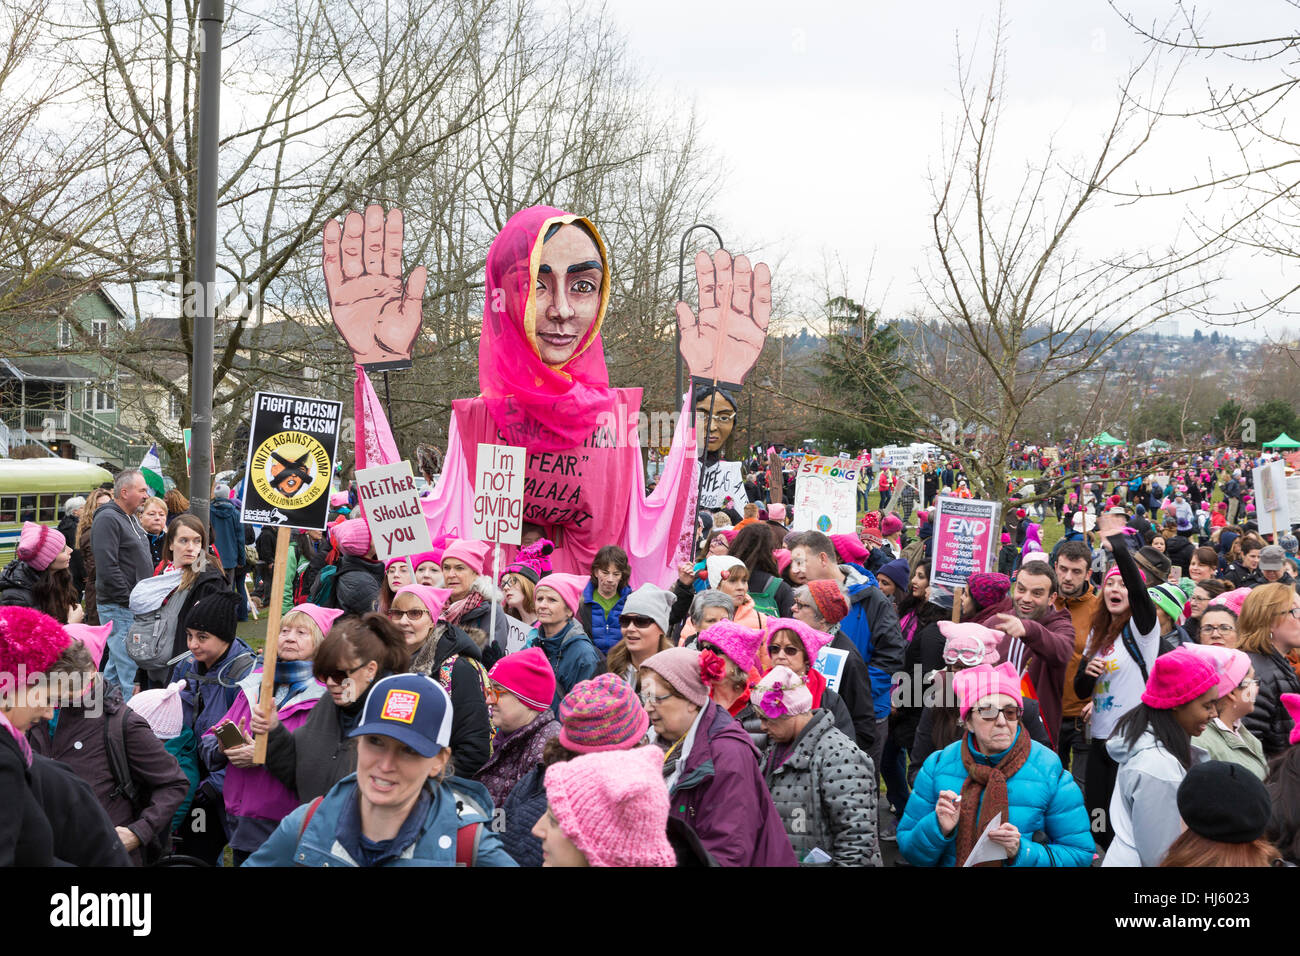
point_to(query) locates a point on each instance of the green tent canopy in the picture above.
(1282, 441)
(1106, 438)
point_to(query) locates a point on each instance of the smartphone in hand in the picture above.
(230, 735)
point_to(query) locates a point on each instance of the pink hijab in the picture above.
(534, 405)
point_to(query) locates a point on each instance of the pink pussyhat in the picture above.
(1178, 677)
(776, 512)
(783, 558)
(1229, 664)
(736, 642)
(969, 639)
(568, 586)
(1292, 704)
(352, 536)
(322, 617)
(92, 638)
(433, 599)
(473, 554)
(1233, 600)
(975, 683)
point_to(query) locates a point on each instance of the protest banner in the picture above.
(1272, 505)
(498, 503)
(826, 495)
(720, 481)
(392, 508)
(965, 530)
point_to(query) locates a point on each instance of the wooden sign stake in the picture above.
(267, 693)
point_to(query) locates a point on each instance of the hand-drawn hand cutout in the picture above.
(377, 315)
(724, 342)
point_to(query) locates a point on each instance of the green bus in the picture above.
(34, 489)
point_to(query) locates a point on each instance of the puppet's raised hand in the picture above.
(735, 300)
(376, 313)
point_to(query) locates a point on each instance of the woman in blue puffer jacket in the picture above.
(995, 769)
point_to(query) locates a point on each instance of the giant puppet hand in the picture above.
(724, 341)
(377, 315)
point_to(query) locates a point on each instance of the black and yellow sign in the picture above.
(291, 452)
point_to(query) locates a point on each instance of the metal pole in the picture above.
(681, 295)
(211, 15)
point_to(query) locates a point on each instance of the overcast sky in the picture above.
(828, 116)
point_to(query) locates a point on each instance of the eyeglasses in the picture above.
(970, 657)
(722, 418)
(415, 614)
(789, 650)
(799, 606)
(1218, 628)
(988, 712)
(339, 677)
(648, 699)
(1248, 683)
(634, 620)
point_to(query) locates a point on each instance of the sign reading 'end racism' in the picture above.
(499, 493)
(964, 532)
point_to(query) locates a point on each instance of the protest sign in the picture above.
(1272, 505)
(965, 530)
(830, 664)
(826, 495)
(720, 481)
(499, 494)
(392, 509)
(291, 452)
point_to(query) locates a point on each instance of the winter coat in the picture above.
(1179, 550)
(872, 626)
(1048, 645)
(26, 838)
(722, 796)
(603, 628)
(255, 800)
(227, 533)
(456, 666)
(923, 742)
(315, 756)
(356, 589)
(122, 556)
(1041, 797)
(1269, 721)
(77, 738)
(856, 693)
(825, 792)
(1144, 803)
(514, 754)
(88, 588)
(207, 583)
(481, 619)
(1243, 747)
(83, 834)
(1006, 559)
(209, 692)
(572, 656)
(523, 808)
(18, 584)
(184, 747)
(430, 841)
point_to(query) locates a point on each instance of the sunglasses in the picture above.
(789, 650)
(414, 614)
(339, 677)
(635, 620)
(988, 712)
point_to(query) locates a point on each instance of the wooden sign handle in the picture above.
(957, 594)
(272, 635)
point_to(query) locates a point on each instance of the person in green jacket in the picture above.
(163, 710)
(1226, 737)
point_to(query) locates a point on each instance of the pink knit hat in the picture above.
(1292, 704)
(680, 667)
(812, 639)
(568, 586)
(1176, 678)
(1233, 600)
(987, 588)
(849, 548)
(890, 525)
(322, 617)
(433, 599)
(613, 806)
(975, 683)
(1229, 664)
(776, 511)
(39, 545)
(29, 643)
(735, 641)
(969, 639)
(527, 674)
(162, 708)
(602, 714)
(781, 693)
(92, 638)
(471, 553)
(783, 558)
(533, 562)
(1115, 570)
(399, 560)
(352, 536)
(339, 499)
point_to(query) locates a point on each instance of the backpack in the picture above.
(119, 766)
(468, 837)
(150, 640)
(765, 600)
(322, 592)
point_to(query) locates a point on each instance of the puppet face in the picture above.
(567, 294)
(724, 420)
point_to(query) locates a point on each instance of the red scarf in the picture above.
(470, 602)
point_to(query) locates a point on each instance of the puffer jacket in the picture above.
(357, 587)
(429, 840)
(515, 754)
(572, 656)
(208, 693)
(26, 838)
(454, 663)
(603, 628)
(1041, 797)
(1144, 803)
(825, 792)
(1269, 721)
(18, 584)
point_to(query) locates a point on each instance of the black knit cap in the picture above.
(215, 613)
(1224, 801)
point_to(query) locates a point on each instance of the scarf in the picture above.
(470, 602)
(295, 675)
(984, 793)
(816, 684)
(24, 747)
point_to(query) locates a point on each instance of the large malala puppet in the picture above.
(543, 381)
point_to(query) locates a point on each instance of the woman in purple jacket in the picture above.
(711, 766)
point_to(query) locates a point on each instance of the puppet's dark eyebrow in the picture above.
(584, 266)
(543, 269)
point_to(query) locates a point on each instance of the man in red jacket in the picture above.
(1039, 641)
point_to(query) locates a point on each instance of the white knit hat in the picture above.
(162, 708)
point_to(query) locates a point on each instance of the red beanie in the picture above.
(829, 600)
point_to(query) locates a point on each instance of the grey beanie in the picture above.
(652, 602)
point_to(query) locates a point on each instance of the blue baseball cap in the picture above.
(411, 708)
